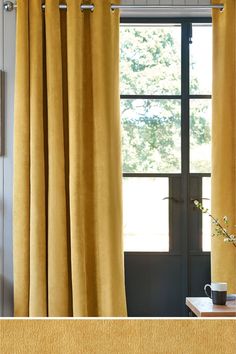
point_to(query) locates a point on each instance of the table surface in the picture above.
(203, 307)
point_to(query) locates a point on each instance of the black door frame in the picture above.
(190, 183)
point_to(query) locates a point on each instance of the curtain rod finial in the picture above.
(8, 6)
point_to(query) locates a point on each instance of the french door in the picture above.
(166, 141)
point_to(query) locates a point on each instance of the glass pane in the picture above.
(201, 60)
(151, 136)
(200, 136)
(150, 59)
(146, 214)
(206, 220)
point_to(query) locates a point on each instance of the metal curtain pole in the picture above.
(10, 6)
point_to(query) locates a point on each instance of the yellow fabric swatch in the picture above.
(118, 336)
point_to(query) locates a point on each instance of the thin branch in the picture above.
(215, 221)
(221, 227)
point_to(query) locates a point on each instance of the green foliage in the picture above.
(150, 64)
(149, 61)
(149, 138)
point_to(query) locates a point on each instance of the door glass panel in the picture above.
(151, 138)
(146, 214)
(206, 220)
(201, 60)
(150, 59)
(200, 136)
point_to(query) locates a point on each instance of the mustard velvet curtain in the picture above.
(68, 258)
(224, 138)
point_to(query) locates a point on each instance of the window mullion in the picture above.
(185, 60)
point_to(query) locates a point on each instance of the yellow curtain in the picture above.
(68, 258)
(224, 138)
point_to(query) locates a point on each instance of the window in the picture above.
(142, 214)
(166, 133)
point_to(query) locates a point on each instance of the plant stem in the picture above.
(222, 229)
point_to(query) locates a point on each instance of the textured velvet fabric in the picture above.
(118, 336)
(224, 139)
(68, 257)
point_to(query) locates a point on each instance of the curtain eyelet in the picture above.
(90, 7)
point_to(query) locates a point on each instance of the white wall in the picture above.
(166, 13)
(1, 173)
(7, 65)
(167, 2)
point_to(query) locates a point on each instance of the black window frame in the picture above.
(185, 242)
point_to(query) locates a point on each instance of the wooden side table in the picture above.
(203, 307)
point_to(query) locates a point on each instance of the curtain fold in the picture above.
(37, 227)
(223, 256)
(68, 252)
